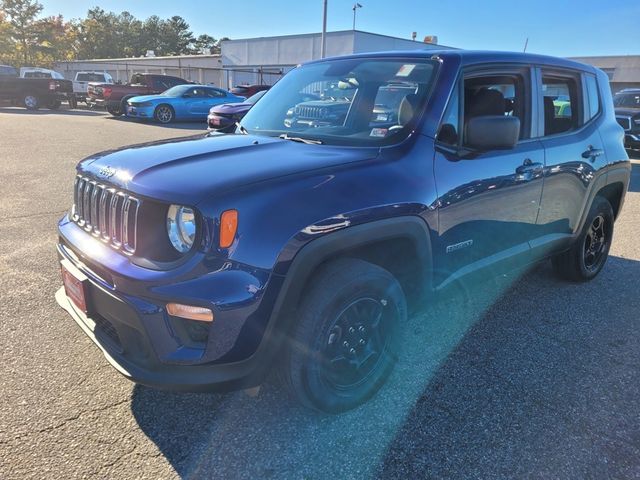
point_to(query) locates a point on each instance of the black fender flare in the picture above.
(334, 244)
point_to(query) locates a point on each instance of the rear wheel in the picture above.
(346, 342)
(586, 258)
(31, 101)
(115, 110)
(164, 114)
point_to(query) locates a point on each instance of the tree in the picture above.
(205, 44)
(176, 37)
(21, 15)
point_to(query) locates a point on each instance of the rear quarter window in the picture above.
(591, 97)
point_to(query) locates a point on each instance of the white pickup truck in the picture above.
(81, 83)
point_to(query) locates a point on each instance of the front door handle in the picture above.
(529, 168)
(592, 153)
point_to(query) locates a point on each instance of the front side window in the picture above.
(357, 102)
(560, 103)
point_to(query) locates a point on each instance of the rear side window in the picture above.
(560, 103)
(592, 97)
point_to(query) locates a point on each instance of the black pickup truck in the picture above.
(32, 93)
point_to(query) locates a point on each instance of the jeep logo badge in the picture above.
(107, 172)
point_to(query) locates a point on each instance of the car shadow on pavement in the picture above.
(523, 375)
(45, 111)
(634, 184)
(178, 125)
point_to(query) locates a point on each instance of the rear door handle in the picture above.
(592, 153)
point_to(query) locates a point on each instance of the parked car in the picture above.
(248, 90)
(627, 103)
(114, 97)
(37, 72)
(223, 118)
(182, 102)
(202, 263)
(81, 85)
(33, 92)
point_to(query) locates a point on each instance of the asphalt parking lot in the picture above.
(520, 377)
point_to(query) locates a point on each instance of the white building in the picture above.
(253, 60)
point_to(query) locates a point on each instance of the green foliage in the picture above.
(26, 39)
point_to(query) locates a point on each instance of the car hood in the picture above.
(190, 169)
(151, 98)
(231, 108)
(631, 112)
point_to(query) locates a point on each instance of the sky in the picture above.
(553, 27)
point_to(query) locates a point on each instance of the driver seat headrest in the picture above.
(407, 109)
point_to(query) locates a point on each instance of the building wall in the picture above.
(264, 60)
(623, 70)
(195, 68)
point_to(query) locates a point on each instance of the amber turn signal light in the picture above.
(190, 312)
(228, 227)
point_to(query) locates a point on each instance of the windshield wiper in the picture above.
(308, 141)
(243, 130)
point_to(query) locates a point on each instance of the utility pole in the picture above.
(355, 7)
(323, 40)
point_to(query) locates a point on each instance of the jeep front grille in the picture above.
(106, 213)
(310, 112)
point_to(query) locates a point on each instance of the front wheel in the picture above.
(164, 114)
(586, 258)
(115, 110)
(346, 341)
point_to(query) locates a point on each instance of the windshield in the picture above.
(631, 100)
(254, 98)
(358, 102)
(176, 91)
(91, 77)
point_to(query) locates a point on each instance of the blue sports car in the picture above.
(182, 102)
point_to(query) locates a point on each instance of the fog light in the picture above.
(190, 311)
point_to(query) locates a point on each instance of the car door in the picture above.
(213, 97)
(487, 200)
(574, 153)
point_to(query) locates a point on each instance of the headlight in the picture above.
(181, 227)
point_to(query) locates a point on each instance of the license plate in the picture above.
(131, 110)
(75, 285)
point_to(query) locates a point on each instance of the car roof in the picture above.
(472, 57)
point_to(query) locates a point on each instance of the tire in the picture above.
(31, 101)
(54, 104)
(588, 255)
(353, 315)
(73, 102)
(164, 114)
(116, 111)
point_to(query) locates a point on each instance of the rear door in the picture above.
(574, 153)
(488, 200)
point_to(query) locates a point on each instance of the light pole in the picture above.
(323, 42)
(355, 7)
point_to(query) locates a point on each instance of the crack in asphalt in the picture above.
(63, 423)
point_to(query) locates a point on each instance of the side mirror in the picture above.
(492, 132)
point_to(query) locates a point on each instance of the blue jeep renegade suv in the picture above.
(201, 263)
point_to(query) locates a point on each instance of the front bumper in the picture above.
(220, 124)
(135, 359)
(128, 321)
(139, 112)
